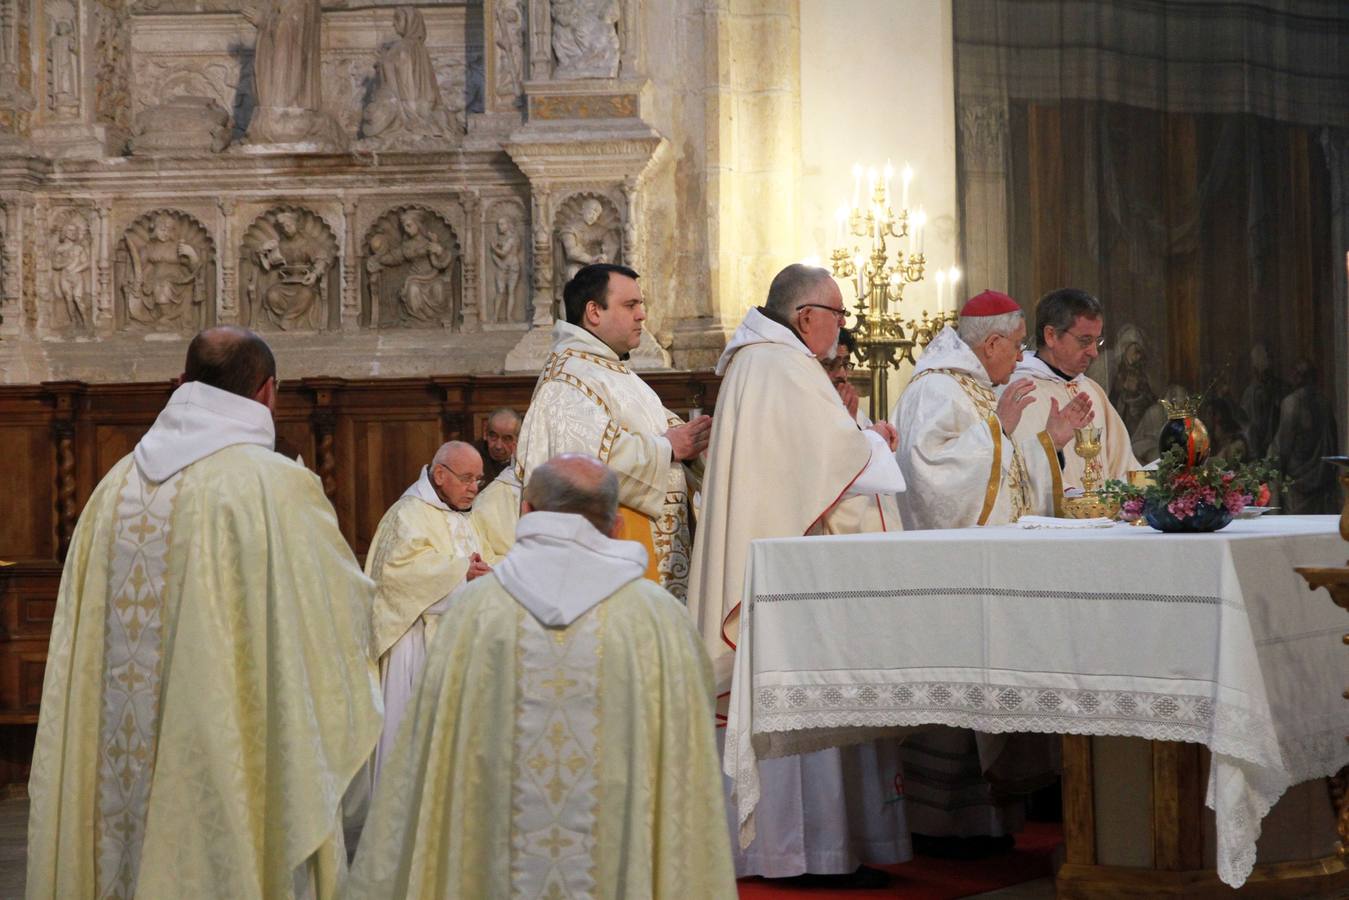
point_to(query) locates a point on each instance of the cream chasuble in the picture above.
(960, 468)
(786, 459)
(573, 759)
(418, 556)
(1117, 454)
(496, 511)
(588, 401)
(209, 692)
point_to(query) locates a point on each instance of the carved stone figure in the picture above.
(588, 233)
(63, 68)
(410, 257)
(585, 38)
(509, 36)
(164, 273)
(418, 261)
(6, 33)
(407, 108)
(182, 124)
(289, 253)
(507, 259)
(70, 262)
(286, 76)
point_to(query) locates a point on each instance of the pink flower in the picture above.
(1132, 507)
(1236, 501)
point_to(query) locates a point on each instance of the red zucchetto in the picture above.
(989, 303)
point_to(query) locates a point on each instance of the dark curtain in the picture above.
(1185, 162)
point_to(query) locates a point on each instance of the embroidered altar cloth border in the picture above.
(1211, 639)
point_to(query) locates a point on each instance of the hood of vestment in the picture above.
(567, 336)
(425, 491)
(757, 328)
(1034, 367)
(561, 566)
(198, 421)
(949, 351)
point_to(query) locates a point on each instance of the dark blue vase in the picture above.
(1205, 518)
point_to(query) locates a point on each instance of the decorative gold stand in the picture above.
(1087, 444)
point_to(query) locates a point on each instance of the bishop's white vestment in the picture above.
(1116, 459)
(418, 557)
(784, 452)
(560, 743)
(588, 401)
(496, 512)
(209, 692)
(959, 467)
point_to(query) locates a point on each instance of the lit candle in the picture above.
(860, 262)
(907, 177)
(856, 184)
(889, 174)
(953, 276)
(941, 290)
(919, 220)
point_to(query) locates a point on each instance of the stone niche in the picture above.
(390, 190)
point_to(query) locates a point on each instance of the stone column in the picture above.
(103, 241)
(16, 74)
(228, 310)
(11, 238)
(473, 230)
(351, 271)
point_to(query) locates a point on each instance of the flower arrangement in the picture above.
(1201, 497)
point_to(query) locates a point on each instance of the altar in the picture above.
(1208, 646)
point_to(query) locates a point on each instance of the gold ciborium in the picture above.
(1087, 445)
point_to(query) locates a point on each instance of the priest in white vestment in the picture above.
(1068, 325)
(496, 511)
(959, 463)
(561, 741)
(588, 401)
(425, 547)
(209, 692)
(784, 456)
(962, 469)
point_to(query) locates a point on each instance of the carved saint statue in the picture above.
(288, 281)
(422, 296)
(407, 106)
(586, 239)
(70, 263)
(505, 250)
(63, 68)
(163, 285)
(585, 38)
(286, 77)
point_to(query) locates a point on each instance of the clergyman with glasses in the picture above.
(427, 545)
(1068, 326)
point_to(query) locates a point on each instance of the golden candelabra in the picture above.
(884, 338)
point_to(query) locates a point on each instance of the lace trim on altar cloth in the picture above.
(992, 592)
(1252, 765)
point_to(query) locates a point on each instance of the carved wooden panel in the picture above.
(389, 453)
(27, 504)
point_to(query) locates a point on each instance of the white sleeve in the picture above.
(882, 475)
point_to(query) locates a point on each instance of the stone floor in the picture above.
(1039, 889)
(13, 847)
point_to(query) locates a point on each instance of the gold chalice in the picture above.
(1087, 445)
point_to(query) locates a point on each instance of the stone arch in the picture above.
(290, 272)
(412, 280)
(164, 274)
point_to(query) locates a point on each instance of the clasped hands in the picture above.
(476, 567)
(1021, 393)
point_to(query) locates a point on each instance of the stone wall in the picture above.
(385, 190)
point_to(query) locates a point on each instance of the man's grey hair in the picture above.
(574, 483)
(794, 286)
(503, 411)
(974, 330)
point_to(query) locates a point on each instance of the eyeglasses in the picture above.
(840, 314)
(1020, 348)
(1085, 340)
(465, 479)
(835, 365)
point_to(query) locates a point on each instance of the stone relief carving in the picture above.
(983, 126)
(288, 256)
(589, 230)
(509, 36)
(286, 76)
(112, 50)
(70, 254)
(63, 61)
(414, 270)
(8, 55)
(506, 247)
(165, 273)
(218, 80)
(585, 38)
(406, 109)
(182, 123)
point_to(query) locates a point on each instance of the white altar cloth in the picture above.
(1211, 639)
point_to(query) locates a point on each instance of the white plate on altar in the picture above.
(1254, 512)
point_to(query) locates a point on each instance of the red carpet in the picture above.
(940, 879)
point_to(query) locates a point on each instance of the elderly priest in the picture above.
(561, 742)
(426, 546)
(961, 466)
(587, 400)
(209, 691)
(787, 459)
(1068, 325)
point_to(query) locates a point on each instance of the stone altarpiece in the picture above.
(453, 163)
